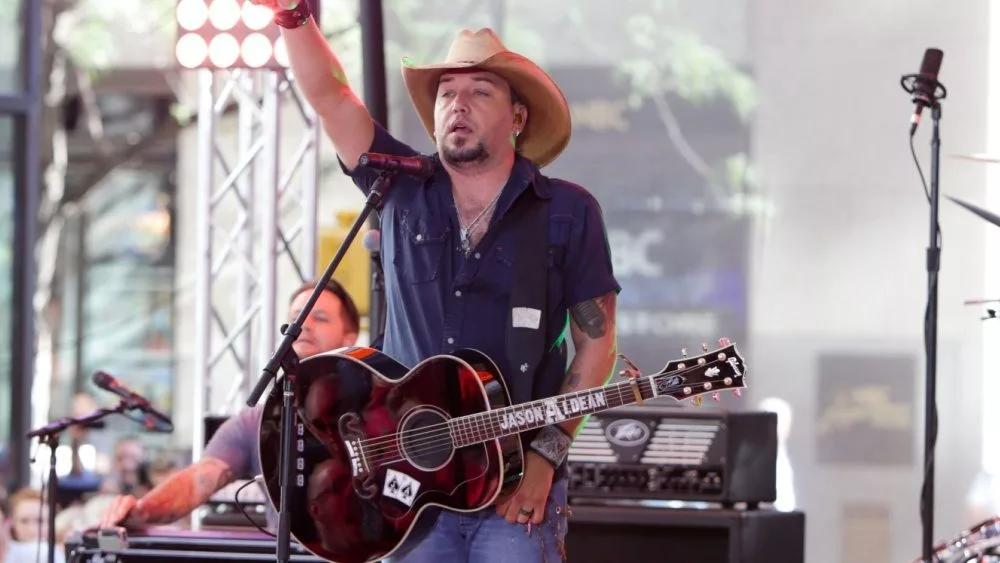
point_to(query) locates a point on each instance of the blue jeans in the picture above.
(486, 537)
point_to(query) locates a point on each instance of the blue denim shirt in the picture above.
(437, 300)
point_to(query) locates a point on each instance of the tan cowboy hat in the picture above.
(548, 128)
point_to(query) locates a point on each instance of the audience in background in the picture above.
(24, 514)
(5, 476)
(4, 526)
(129, 474)
(161, 468)
(26, 529)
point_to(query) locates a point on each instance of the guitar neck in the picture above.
(490, 425)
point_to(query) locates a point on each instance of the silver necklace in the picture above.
(464, 232)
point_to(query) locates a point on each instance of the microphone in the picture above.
(419, 166)
(155, 420)
(924, 85)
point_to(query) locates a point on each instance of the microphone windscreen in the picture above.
(931, 64)
(101, 378)
(372, 241)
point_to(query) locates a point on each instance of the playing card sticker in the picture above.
(401, 487)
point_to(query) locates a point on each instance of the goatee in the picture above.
(464, 156)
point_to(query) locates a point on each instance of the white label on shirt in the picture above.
(400, 486)
(526, 317)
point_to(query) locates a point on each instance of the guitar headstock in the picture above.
(713, 371)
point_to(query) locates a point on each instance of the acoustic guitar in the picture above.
(381, 449)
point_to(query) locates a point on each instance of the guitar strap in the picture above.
(526, 323)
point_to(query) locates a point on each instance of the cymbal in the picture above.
(988, 215)
(980, 301)
(978, 157)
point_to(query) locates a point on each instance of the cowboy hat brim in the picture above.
(549, 125)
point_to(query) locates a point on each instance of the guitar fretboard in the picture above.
(490, 425)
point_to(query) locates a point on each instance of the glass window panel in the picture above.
(6, 270)
(10, 46)
(128, 280)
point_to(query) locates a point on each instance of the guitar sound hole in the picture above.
(425, 439)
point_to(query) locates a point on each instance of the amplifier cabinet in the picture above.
(601, 534)
(676, 453)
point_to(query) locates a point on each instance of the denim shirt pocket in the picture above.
(418, 258)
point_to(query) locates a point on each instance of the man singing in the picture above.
(451, 244)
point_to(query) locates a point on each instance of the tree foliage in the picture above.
(666, 61)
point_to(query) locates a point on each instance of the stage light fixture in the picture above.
(191, 14)
(227, 34)
(256, 17)
(191, 50)
(224, 14)
(256, 50)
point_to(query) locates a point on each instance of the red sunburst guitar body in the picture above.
(380, 448)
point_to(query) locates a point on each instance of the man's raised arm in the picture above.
(322, 80)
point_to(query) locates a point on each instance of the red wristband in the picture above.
(295, 17)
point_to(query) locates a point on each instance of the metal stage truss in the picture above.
(256, 220)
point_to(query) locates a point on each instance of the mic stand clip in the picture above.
(286, 359)
(376, 320)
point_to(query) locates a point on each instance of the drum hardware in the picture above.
(978, 157)
(989, 216)
(981, 544)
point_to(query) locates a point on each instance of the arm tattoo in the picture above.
(182, 493)
(590, 317)
(572, 380)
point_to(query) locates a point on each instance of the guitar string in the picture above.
(441, 446)
(466, 422)
(442, 437)
(444, 429)
(441, 443)
(444, 443)
(463, 421)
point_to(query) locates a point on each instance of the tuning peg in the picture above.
(715, 396)
(723, 342)
(684, 352)
(696, 401)
(704, 347)
(738, 392)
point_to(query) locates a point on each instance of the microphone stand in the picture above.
(937, 93)
(930, 400)
(286, 359)
(49, 435)
(928, 92)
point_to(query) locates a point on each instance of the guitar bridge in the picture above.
(356, 455)
(362, 478)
